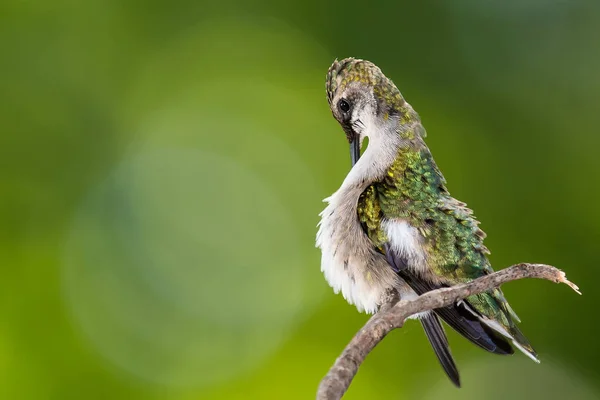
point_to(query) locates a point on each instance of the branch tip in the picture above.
(563, 279)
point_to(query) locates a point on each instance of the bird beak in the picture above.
(354, 149)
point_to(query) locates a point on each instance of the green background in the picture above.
(162, 170)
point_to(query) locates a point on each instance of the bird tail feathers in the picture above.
(437, 337)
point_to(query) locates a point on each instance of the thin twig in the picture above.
(338, 379)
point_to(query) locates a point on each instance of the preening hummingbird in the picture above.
(393, 227)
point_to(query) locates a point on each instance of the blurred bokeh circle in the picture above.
(183, 261)
(185, 264)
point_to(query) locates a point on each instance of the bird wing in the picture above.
(413, 191)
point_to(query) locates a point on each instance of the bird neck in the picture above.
(387, 145)
(371, 167)
(382, 150)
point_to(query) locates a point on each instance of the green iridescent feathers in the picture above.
(413, 190)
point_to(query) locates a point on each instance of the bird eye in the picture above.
(344, 106)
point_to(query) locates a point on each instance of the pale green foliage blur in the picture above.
(163, 166)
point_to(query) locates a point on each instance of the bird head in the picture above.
(365, 102)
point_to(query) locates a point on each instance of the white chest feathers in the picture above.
(343, 261)
(350, 261)
(406, 241)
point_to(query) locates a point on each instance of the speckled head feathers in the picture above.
(362, 98)
(344, 72)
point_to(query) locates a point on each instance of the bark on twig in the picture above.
(338, 379)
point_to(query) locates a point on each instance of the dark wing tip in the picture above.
(470, 326)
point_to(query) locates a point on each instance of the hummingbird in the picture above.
(393, 229)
